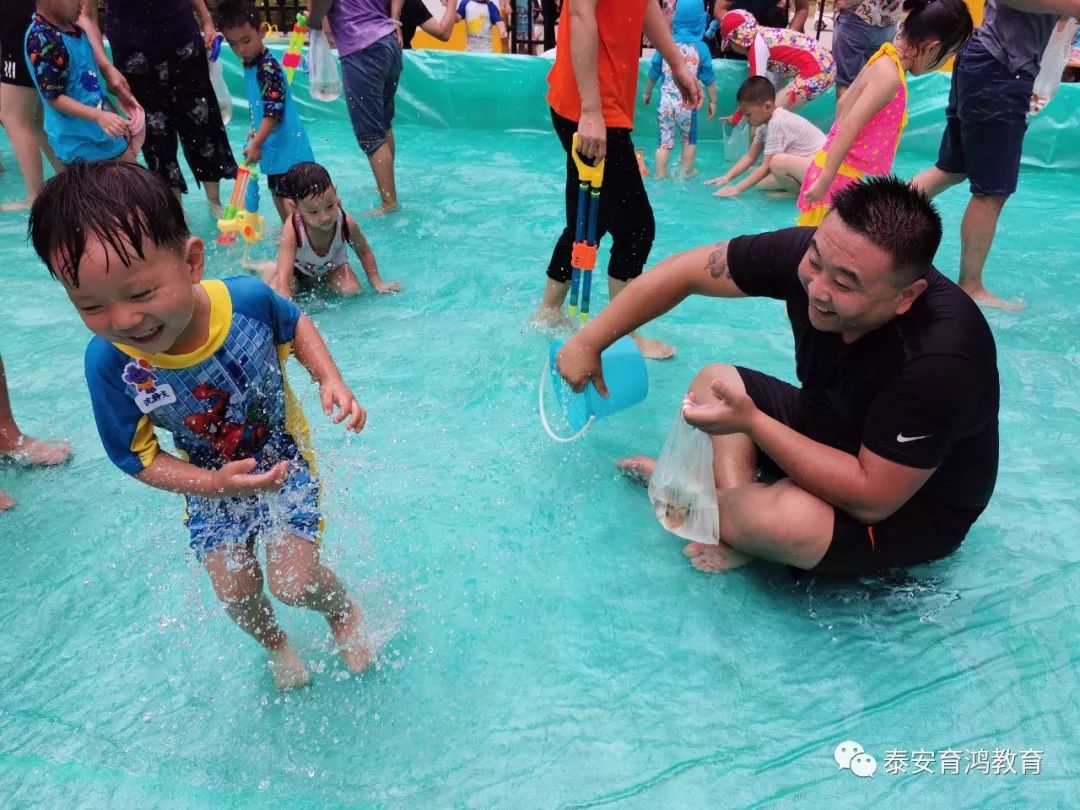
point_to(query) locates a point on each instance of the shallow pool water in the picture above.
(544, 641)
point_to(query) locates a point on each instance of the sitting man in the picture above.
(889, 451)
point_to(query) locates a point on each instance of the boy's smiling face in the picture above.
(149, 305)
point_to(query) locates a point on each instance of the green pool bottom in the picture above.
(544, 641)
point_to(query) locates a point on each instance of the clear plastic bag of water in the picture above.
(217, 80)
(682, 487)
(736, 140)
(324, 75)
(1055, 58)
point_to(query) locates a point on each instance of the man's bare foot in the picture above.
(5, 502)
(637, 468)
(28, 450)
(715, 559)
(18, 205)
(653, 349)
(349, 634)
(386, 208)
(287, 667)
(984, 298)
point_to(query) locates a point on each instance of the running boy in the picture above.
(481, 17)
(788, 140)
(205, 361)
(688, 31)
(79, 120)
(312, 251)
(278, 140)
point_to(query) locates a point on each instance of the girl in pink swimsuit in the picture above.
(873, 112)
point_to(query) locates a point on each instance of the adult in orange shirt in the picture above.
(593, 85)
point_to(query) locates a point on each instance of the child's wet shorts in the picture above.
(277, 185)
(672, 117)
(916, 533)
(294, 509)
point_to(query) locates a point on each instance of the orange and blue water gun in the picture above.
(241, 216)
(583, 254)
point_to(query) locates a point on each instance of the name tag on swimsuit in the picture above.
(157, 397)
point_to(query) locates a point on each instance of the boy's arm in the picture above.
(286, 260)
(169, 473)
(313, 355)
(112, 124)
(741, 165)
(114, 79)
(272, 89)
(366, 255)
(752, 179)
(712, 101)
(802, 11)
(646, 97)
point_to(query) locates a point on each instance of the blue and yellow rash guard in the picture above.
(225, 401)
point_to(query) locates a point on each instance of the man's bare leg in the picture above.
(933, 181)
(550, 313)
(382, 166)
(977, 232)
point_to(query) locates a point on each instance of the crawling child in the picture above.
(788, 141)
(312, 252)
(205, 361)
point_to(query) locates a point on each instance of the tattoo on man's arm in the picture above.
(717, 264)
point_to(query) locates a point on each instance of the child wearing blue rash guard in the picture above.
(278, 140)
(688, 31)
(205, 361)
(79, 120)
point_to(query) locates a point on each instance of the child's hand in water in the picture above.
(722, 180)
(727, 191)
(712, 110)
(387, 286)
(730, 119)
(112, 124)
(252, 152)
(336, 392)
(646, 98)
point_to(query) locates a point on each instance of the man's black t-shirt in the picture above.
(921, 391)
(413, 14)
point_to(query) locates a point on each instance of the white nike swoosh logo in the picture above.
(900, 437)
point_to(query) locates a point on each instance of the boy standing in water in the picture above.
(205, 361)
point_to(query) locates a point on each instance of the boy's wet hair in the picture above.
(237, 14)
(756, 90)
(895, 216)
(118, 204)
(307, 179)
(948, 21)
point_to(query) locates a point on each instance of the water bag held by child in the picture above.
(217, 79)
(682, 488)
(324, 76)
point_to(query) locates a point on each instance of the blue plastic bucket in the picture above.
(627, 381)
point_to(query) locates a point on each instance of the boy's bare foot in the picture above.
(5, 502)
(287, 667)
(984, 298)
(349, 634)
(653, 349)
(637, 468)
(715, 559)
(18, 205)
(28, 450)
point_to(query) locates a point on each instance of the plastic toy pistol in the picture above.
(291, 60)
(244, 221)
(583, 256)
